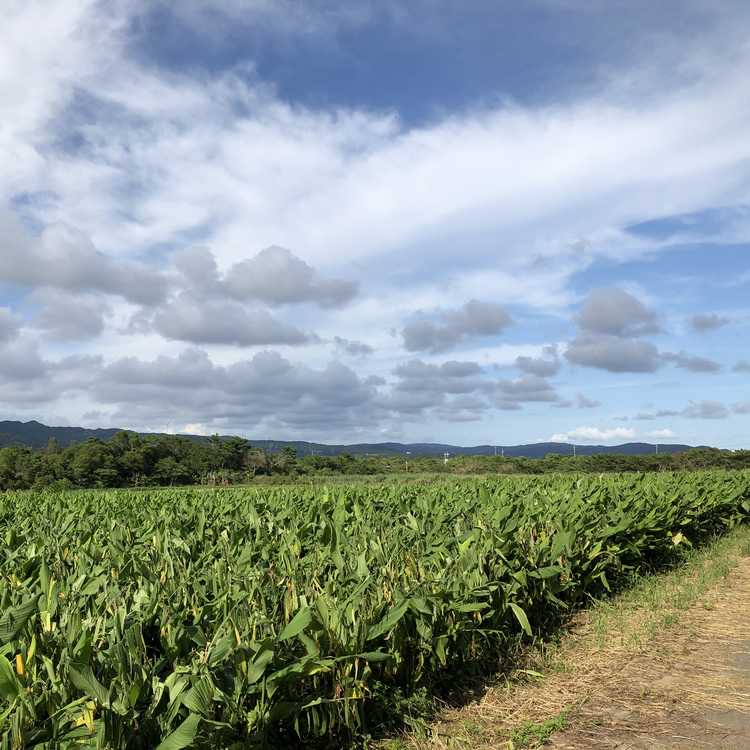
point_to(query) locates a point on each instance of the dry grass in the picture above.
(672, 647)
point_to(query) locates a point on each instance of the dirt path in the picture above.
(667, 668)
(689, 689)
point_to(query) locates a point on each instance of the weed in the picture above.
(535, 734)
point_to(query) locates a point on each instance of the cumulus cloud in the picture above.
(705, 410)
(9, 324)
(276, 276)
(742, 366)
(615, 312)
(202, 321)
(66, 316)
(28, 379)
(691, 363)
(583, 402)
(614, 354)
(214, 308)
(353, 348)
(741, 407)
(65, 258)
(694, 410)
(21, 361)
(612, 326)
(451, 387)
(69, 280)
(448, 377)
(611, 323)
(451, 327)
(461, 409)
(263, 392)
(545, 366)
(458, 391)
(664, 434)
(527, 388)
(199, 270)
(705, 322)
(593, 435)
(648, 416)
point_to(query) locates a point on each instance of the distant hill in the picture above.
(531, 450)
(37, 435)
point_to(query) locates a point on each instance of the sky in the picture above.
(437, 221)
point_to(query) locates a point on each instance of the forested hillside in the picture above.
(132, 460)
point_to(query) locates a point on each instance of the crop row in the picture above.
(235, 618)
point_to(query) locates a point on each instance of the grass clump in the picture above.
(534, 734)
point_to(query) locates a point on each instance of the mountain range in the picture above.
(36, 435)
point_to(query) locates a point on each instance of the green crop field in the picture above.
(243, 617)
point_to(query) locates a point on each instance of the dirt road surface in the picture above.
(690, 689)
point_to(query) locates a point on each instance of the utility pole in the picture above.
(657, 449)
(574, 450)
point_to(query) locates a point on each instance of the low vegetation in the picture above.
(601, 669)
(238, 617)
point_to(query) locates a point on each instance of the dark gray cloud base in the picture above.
(223, 309)
(545, 366)
(274, 277)
(68, 283)
(613, 324)
(64, 258)
(708, 409)
(615, 312)
(189, 319)
(449, 328)
(706, 322)
(10, 324)
(352, 348)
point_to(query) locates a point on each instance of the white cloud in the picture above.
(666, 433)
(226, 153)
(593, 435)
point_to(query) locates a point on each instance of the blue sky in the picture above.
(470, 223)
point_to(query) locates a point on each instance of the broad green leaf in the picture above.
(391, 619)
(258, 666)
(297, 624)
(199, 699)
(182, 737)
(82, 676)
(548, 572)
(521, 617)
(14, 619)
(10, 687)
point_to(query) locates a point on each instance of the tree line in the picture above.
(132, 460)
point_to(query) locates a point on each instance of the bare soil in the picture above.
(690, 689)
